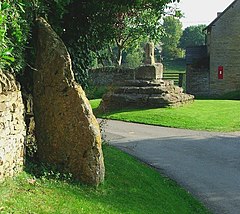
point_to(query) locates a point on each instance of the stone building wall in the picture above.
(197, 70)
(12, 127)
(224, 48)
(197, 81)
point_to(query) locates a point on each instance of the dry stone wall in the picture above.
(12, 127)
(109, 76)
(106, 76)
(197, 81)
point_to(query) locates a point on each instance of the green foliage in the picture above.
(134, 58)
(193, 36)
(140, 22)
(95, 92)
(87, 28)
(128, 186)
(101, 23)
(47, 172)
(14, 31)
(170, 40)
(210, 115)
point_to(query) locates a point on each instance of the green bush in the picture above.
(95, 92)
(14, 31)
(134, 59)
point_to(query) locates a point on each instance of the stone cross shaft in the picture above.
(149, 54)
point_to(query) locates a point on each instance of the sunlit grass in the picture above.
(210, 115)
(130, 187)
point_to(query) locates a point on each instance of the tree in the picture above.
(193, 36)
(170, 40)
(90, 26)
(121, 22)
(139, 22)
(134, 57)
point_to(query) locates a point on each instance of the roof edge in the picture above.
(218, 17)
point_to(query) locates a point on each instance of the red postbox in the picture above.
(220, 72)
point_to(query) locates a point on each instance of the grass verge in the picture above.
(210, 115)
(130, 187)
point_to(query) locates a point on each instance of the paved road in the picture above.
(207, 164)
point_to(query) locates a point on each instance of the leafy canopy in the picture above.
(86, 26)
(170, 40)
(89, 27)
(193, 36)
(13, 34)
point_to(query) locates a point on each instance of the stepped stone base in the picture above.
(145, 93)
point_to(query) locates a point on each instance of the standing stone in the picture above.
(149, 54)
(67, 132)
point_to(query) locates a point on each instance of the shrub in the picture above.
(14, 31)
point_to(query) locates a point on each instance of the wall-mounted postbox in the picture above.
(220, 72)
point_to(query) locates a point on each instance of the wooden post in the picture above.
(180, 80)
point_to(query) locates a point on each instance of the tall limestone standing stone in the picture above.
(67, 132)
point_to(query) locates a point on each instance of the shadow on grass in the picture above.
(130, 187)
(234, 95)
(204, 165)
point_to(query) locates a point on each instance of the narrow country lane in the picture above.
(207, 164)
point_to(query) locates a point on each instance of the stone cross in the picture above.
(149, 54)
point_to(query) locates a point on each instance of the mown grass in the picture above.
(173, 69)
(210, 115)
(130, 187)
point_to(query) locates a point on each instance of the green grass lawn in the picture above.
(130, 187)
(173, 69)
(210, 115)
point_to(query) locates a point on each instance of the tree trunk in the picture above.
(119, 57)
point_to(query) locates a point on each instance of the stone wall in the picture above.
(108, 75)
(12, 127)
(224, 48)
(197, 70)
(197, 81)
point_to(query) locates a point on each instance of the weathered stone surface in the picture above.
(197, 81)
(149, 72)
(223, 45)
(67, 132)
(223, 50)
(149, 94)
(149, 54)
(144, 89)
(12, 127)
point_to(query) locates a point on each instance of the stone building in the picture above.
(223, 50)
